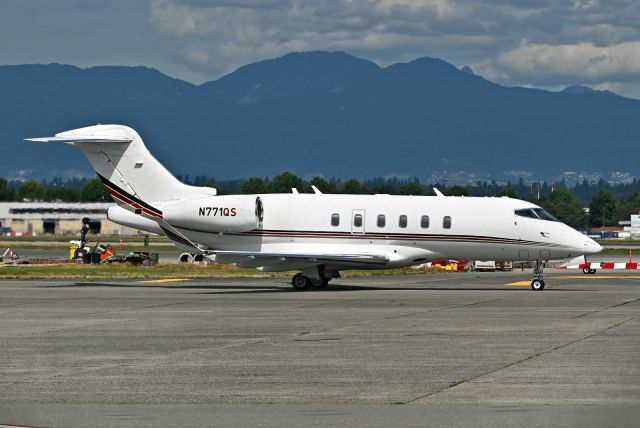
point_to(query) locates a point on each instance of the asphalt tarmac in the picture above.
(451, 349)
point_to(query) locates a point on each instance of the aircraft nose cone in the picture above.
(591, 246)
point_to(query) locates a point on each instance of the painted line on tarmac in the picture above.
(596, 276)
(528, 283)
(18, 426)
(157, 281)
(521, 283)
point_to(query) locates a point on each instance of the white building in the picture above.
(57, 218)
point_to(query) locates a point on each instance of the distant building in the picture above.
(57, 218)
(631, 227)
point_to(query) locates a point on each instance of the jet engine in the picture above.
(233, 213)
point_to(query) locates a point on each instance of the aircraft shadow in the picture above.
(285, 288)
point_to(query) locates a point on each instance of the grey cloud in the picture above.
(490, 35)
(512, 42)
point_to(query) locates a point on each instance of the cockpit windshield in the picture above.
(538, 213)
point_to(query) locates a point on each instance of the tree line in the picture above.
(56, 191)
(607, 204)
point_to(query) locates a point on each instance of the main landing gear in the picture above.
(313, 278)
(537, 283)
(301, 282)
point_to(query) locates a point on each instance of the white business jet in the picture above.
(318, 234)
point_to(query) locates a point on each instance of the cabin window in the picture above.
(402, 222)
(446, 222)
(527, 212)
(424, 222)
(545, 215)
(536, 213)
(381, 220)
(335, 219)
(357, 220)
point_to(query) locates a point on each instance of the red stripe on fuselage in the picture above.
(506, 241)
(131, 203)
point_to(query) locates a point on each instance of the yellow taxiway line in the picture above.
(157, 281)
(528, 283)
(521, 283)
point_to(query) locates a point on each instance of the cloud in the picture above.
(443, 8)
(524, 42)
(542, 63)
(231, 34)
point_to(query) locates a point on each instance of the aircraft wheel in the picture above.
(592, 271)
(586, 270)
(300, 282)
(319, 283)
(537, 284)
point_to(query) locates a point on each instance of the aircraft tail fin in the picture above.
(125, 166)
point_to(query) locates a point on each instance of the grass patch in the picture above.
(166, 271)
(116, 246)
(616, 252)
(617, 242)
(94, 238)
(125, 271)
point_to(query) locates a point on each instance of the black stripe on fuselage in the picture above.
(399, 236)
(138, 201)
(387, 236)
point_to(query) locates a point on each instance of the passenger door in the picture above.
(357, 221)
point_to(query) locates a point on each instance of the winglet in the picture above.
(437, 192)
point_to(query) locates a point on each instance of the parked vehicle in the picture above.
(488, 265)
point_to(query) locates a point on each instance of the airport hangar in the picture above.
(57, 218)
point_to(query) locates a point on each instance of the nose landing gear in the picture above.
(537, 283)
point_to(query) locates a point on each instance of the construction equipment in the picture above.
(9, 257)
(105, 254)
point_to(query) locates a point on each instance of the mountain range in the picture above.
(320, 113)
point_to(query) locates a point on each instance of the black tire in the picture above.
(592, 272)
(537, 285)
(300, 282)
(586, 270)
(319, 283)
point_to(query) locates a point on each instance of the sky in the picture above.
(534, 43)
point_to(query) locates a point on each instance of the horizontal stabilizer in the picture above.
(121, 159)
(81, 139)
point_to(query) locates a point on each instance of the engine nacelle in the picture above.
(233, 213)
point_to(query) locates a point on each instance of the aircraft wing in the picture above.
(257, 259)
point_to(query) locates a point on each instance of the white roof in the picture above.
(54, 210)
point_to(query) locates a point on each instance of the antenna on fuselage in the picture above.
(316, 190)
(437, 192)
